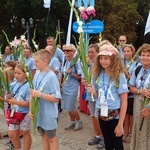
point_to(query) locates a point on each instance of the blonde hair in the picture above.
(21, 67)
(69, 47)
(116, 66)
(95, 46)
(130, 46)
(43, 54)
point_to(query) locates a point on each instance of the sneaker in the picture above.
(94, 141)
(8, 143)
(70, 126)
(10, 147)
(101, 144)
(78, 126)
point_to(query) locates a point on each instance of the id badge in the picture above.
(104, 110)
(12, 112)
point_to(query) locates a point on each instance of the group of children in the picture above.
(18, 103)
(111, 109)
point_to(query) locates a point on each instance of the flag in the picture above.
(47, 3)
(69, 25)
(147, 27)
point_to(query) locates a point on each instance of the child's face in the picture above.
(39, 63)
(104, 61)
(19, 75)
(127, 52)
(145, 58)
(27, 53)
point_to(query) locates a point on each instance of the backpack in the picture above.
(137, 70)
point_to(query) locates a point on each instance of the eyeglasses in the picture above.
(67, 51)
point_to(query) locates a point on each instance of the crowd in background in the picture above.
(117, 96)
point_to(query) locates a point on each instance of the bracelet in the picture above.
(41, 95)
(148, 106)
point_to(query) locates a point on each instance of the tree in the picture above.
(120, 17)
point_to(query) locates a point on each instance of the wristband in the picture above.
(148, 106)
(41, 95)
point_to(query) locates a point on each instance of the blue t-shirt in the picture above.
(131, 67)
(48, 111)
(21, 92)
(59, 54)
(9, 57)
(110, 90)
(30, 64)
(138, 82)
(55, 64)
(70, 87)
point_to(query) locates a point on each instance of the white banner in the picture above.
(47, 3)
(69, 25)
(147, 27)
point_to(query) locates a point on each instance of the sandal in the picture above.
(128, 139)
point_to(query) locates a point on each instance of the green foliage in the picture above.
(119, 17)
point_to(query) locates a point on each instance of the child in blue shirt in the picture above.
(47, 88)
(130, 66)
(19, 102)
(110, 89)
(93, 51)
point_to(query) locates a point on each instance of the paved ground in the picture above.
(68, 140)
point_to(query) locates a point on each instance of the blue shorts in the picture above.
(68, 102)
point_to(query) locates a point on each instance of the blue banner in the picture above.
(92, 27)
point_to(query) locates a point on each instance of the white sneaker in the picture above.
(78, 126)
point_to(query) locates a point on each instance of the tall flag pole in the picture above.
(69, 25)
(147, 27)
(47, 4)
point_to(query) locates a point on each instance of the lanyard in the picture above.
(107, 87)
(143, 78)
(37, 85)
(19, 88)
(66, 66)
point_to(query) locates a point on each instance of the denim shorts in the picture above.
(48, 133)
(68, 102)
(93, 109)
(24, 125)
